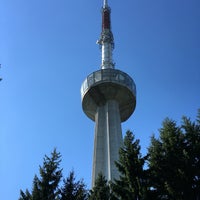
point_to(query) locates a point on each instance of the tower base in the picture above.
(107, 141)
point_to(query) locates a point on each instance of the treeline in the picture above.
(169, 171)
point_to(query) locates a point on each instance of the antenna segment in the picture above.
(106, 41)
(105, 3)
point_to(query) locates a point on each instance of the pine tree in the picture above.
(72, 190)
(174, 161)
(191, 158)
(166, 161)
(46, 187)
(101, 189)
(25, 196)
(36, 193)
(132, 184)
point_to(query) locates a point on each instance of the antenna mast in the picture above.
(105, 3)
(106, 40)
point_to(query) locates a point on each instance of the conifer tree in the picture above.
(191, 155)
(101, 189)
(165, 161)
(36, 191)
(25, 196)
(132, 183)
(73, 190)
(51, 175)
(174, 161)
(46, 187)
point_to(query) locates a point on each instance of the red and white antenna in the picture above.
(106, 40)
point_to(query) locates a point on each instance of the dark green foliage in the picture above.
(132, 182)
(101, 190)
(191, 155)
(25, 196)
(72, 190)
(165, 161)
(50, 174)
(174, 161)
(47, 186)
(36, 191)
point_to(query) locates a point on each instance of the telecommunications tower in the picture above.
(108, 98)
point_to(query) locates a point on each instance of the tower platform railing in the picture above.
(108, 75)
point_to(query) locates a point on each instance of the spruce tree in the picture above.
(73, 190)
(132, 183)
(51, 175)
(25, 196)
(166, 161)
(191, 154)
(101, 189)
(174, 161)
(47, 186)
(36, 191)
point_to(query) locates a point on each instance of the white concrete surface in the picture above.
(107, 141)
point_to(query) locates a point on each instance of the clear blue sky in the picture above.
(47, 48)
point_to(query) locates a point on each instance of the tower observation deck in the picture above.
(108, 98)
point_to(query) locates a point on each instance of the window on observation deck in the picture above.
(90, 80)
(97, 76)
(106, 75)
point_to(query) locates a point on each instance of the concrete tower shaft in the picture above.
(108, 98)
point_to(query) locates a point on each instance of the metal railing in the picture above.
(108, 75)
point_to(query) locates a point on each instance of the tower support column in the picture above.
(107, 141)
